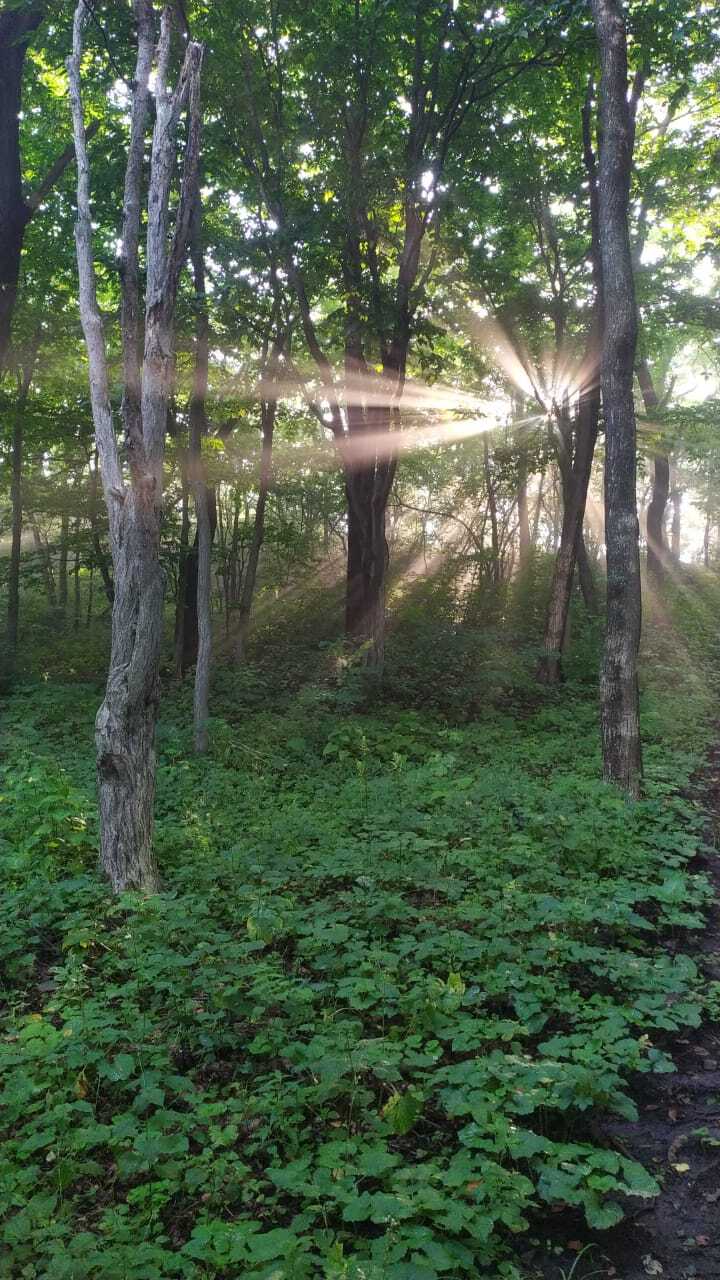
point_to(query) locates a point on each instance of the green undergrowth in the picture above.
(398, 967)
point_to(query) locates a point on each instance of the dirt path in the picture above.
(677, 1137)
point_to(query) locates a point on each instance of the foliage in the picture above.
(397, 966)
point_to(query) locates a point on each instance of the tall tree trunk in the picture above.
(125, 724)
(619, 705)
(706, 538)
(538, 509)
(16, 28)
(91, 594)
(576, 477)
(63, 563)
(76, 575)
(676, 499)
(98, 549)
(550, 665)
(267, 409)
(43, 551)
(655, 519)
(524, 543)
(13, 611)
(183, 552)
(198, 478)
(367, 559)
(495, 572)
(655, 515)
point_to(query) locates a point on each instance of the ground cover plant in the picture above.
(359, 549)
(399, 964)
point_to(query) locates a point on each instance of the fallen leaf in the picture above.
(681, 1168)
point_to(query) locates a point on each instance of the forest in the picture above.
(359, 641)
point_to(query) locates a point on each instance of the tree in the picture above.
(619, 705)
(383, 158)
(125, 725)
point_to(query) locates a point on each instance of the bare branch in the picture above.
(89, 310)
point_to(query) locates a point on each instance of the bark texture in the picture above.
(198, 478)
(619, 710)
(16, 28)
(576, 476)
(125, 724)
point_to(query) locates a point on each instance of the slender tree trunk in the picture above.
(98, 549)
(576, 478)
(63, 563)
(268, 408)
(706, 539)
(198, 429)
(91, 595)
(524, 543)
(495, 573)
(619, 713)
(655, 518)
(183, 552)
(125, 724)
(571, 540)
(13, 613)
(76, 576)
(43, 551)
(538, 509)
(676, 498)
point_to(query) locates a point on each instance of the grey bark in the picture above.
(619, 706)
(198, 480)
(125, 724)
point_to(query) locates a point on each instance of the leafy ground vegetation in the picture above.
(405, 957)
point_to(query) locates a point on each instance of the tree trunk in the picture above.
(366, 564)
(76, 576)
(538, 509)
(655, 519)
(198, 478)
(125, 724)
(16, 28)
(43, 552)
(267, 409)
(91, 596)
(676, 499)
(181, 591)
(495, 571)
(63, 563)
(524, 543)
(586, 578)
(100, 556)
(13, 613)
(571, 536)
(619, 706)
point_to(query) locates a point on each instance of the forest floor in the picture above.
(676, 1235)
(421, 999)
